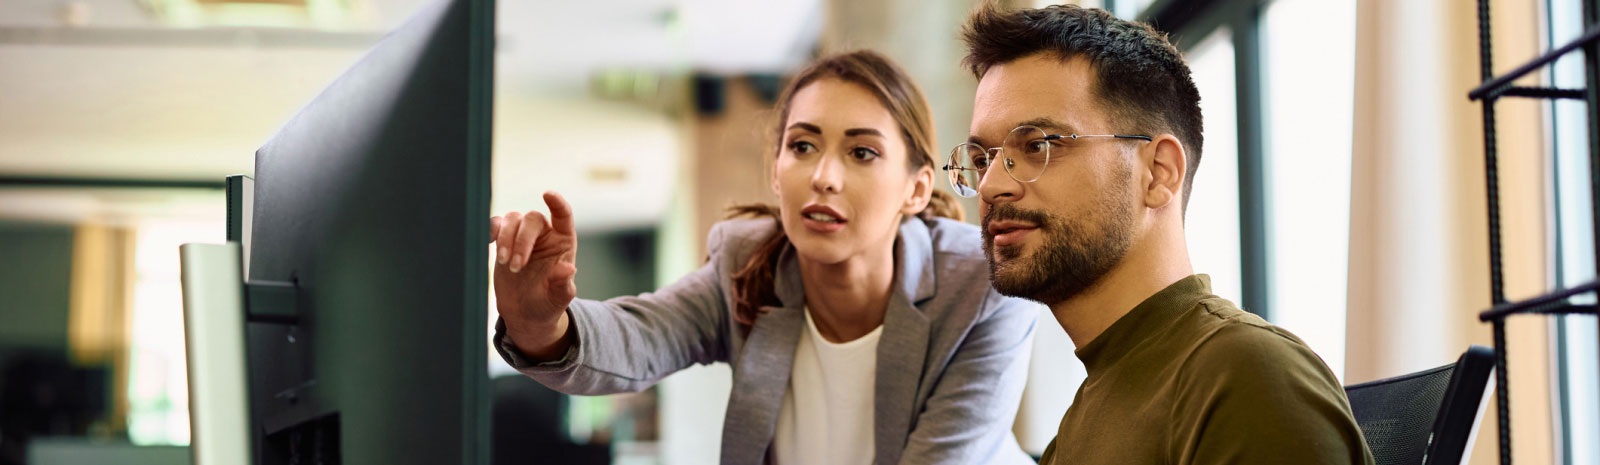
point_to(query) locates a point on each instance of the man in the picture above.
(1092, 125)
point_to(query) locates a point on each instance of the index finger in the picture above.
(560, 213)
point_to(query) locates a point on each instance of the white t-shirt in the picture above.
(826, 417)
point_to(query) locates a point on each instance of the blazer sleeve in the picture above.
(968, 417)
(627, 344)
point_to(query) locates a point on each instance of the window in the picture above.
(1309, 106)
(1577, 357)
(1212, 222)
(1128, 8)
(158, 390)
(1267, 101)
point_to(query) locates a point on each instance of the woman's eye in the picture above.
(863, 153)
(801, 146)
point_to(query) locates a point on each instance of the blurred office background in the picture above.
(1341, 195)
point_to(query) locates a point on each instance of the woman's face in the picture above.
(841, 176)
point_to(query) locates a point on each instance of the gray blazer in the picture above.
(952, 359)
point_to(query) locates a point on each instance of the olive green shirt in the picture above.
(1186, 377)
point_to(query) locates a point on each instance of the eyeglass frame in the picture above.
(992, 152)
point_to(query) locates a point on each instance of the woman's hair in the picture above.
(754, 283)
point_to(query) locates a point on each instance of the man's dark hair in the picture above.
(1140, 78)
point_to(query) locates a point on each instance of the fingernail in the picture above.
(516, 265)
(502, 258)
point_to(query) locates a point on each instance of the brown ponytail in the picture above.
(942, 204)
(754, 283)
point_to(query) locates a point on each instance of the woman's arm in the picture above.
(627, 344)
(968, 417)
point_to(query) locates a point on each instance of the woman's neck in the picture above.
(847, 300)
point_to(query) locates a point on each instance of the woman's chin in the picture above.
(821, 250)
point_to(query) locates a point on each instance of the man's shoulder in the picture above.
(1255, 392)
(1234, 341)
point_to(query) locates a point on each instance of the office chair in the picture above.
(528, 420)
(1427, 417)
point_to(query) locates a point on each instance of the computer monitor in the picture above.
(371, 205)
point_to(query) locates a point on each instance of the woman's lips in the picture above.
(822, 219)
(821, 226)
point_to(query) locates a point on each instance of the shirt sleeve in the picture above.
(514, 356)
(1257, 395)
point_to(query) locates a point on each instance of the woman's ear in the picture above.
(919, 192)
(772, 176)
(1166, 168)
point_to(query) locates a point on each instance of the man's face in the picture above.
(1050, 239)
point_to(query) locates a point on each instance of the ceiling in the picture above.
(106, 88)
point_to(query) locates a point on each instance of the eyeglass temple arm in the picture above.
(1118, 136)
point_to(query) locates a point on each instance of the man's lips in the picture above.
(1007, 233)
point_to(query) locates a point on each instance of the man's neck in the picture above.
(1144, 271)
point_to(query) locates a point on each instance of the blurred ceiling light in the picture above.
(657, 90)
(608, 174)
(620, 84)
(315, 14)
(76, 14)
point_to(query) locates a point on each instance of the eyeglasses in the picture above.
(1025, 153)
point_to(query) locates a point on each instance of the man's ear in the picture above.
(921, 190)
(1166, 167)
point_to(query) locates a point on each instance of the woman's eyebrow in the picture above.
(862, 131)
(806, 127)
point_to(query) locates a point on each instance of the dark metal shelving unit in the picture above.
(1494, 87)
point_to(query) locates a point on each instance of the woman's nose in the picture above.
(828, 175)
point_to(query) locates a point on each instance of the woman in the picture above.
(861, 328)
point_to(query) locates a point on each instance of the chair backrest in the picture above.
(528, 426)
(1430, 416)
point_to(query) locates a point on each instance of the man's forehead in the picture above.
(1039, 90)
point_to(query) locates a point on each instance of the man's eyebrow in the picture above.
(862, 132)
(1049, 125)
(806, 127)
(1046, 123)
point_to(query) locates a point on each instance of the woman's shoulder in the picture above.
(738, 237)
(955, 238)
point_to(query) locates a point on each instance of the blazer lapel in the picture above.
(761, 376)
(904, 345)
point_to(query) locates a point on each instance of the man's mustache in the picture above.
(1009, 212)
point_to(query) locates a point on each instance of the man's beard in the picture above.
(1072, 257)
